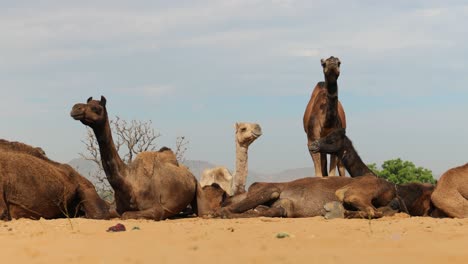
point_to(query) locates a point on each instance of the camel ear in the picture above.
(236, 126)
(89, 99)
(322, 61)
(103, 101)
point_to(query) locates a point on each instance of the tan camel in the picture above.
(324, 113)
(245, 135)
(32, 186)
(153, 186)
(219, 175)
(451, 192)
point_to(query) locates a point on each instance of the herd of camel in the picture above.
(155, 186)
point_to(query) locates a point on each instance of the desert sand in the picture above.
(398, 239)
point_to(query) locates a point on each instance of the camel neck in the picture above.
(332, 88)
(241, 167)
(111, 162)
(352, 162)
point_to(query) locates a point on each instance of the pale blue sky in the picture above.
(196, 67)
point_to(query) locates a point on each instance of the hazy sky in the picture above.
(196, 67)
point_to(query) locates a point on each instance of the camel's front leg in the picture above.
(155, 213)
(253, 199)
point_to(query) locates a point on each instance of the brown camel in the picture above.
(245, 134)
(366, 196)
(324, 113)
(414, 198)
(451, 193)
(154, 186)
(32, 186)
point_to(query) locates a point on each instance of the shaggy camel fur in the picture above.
(324, 113)
(153, 186)
(413, 198)
(32, 186)
(451, 193)
(245, 134)
(219, 175)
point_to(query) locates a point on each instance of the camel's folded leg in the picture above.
(93, 206)
(155, 213)
(451, 203)
(253, 199)
(4, 212)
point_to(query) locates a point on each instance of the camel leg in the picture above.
(323, 159)
(316, 158)
(453, 204)
(333, 164)
(155, 213)
(93, 206)
(4, 212)
(341, 168)
(253, 199)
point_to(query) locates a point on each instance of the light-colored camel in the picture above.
(33, 186)
(245, 135)
(153, 186)
(451, 192)
(219, 175)
(323, 114)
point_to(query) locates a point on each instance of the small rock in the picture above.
(136, 228)
(231, 229)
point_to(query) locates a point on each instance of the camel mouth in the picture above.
(255, 135)
(77, 116)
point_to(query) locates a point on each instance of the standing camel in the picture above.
(33, 186)
(245, 135)
(324, 113)
(153, 186)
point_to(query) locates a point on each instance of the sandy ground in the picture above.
(311, 240)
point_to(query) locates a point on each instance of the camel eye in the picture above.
(243, 129)
(96, 110)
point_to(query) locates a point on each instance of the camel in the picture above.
(219, 175)
(33, 186)
(246, 134)
(153, 186)
(324, 113)
(451, 193)
(414, 198)
(366, 196)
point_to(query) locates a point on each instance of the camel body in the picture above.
(323, 114)
(32, 186)
(153, 186)
(451, 193)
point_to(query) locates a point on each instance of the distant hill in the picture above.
(88, 169)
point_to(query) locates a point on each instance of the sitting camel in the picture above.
(371, 196)
(32, 186)
(154, 186)
(451, 193)
(324, 113)
(414, 198)
(246, 134)
(219, 175)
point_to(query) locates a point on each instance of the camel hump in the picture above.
(23, 148)
(165, 149)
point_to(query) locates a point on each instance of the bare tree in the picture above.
(131, 138)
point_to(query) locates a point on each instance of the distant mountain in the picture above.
(88, 169)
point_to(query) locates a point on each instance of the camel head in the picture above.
(247, 133)
(209, 199)
(332, 143)
(415, 198)
(92, 114)
(331, 68)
